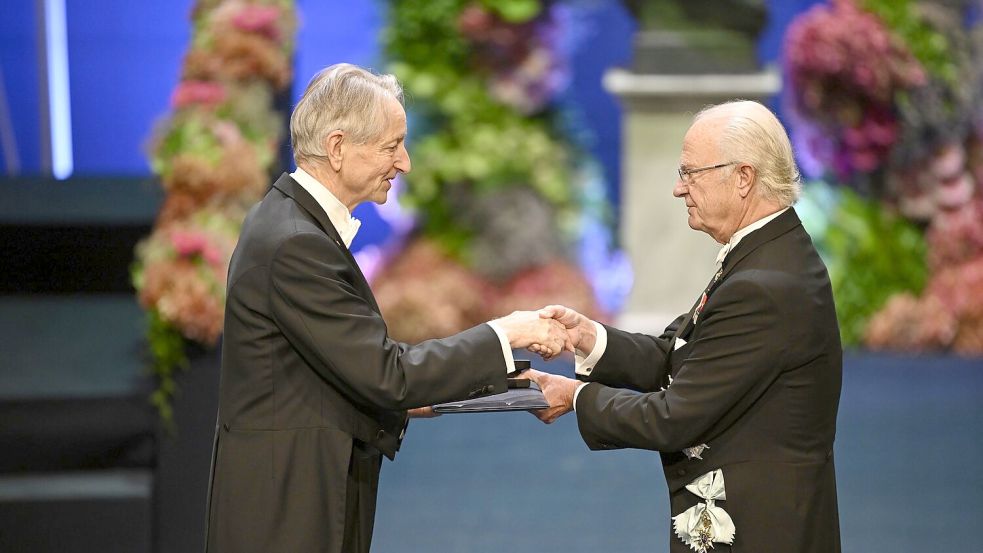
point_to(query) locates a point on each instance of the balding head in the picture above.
(750, 133)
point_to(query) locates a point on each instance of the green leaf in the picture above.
(514, 11)
(167, 349)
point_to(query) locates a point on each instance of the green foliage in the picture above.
(514, 11)
(666, 14)
(929, 46)
(167, 351)
(191, 135)
(463, 140)
(425, 36)
(870, 252)
(490, 155)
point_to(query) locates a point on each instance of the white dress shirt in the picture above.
(347, 227)
(583, 366)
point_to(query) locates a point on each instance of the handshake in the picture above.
(549, 332)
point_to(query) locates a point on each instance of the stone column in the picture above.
(672, 262)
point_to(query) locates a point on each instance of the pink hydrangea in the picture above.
(907, 323)
(960, 289)
(262, 20)
(189, 243)
(177, 291)
(203, 93)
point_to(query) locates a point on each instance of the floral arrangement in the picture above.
(886, 97)
(213, 154)
(216, 147)
(872, 254)
(950, 312)
(497, 187)
(180, 276)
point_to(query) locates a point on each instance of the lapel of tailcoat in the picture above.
(294, 190)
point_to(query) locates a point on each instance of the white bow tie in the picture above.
(723, 253)
(348, 234)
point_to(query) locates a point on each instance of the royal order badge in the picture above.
(704, 524)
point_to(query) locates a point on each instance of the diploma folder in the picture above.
(514, 399)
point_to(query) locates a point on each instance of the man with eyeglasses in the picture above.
(740, 394)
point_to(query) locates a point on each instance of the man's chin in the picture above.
(693, 222)
(382, 193)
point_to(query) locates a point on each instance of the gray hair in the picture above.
(753, 135)
(340, 97)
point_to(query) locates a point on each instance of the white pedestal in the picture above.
(672, 262)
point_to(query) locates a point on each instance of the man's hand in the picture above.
(581, 333)
(528, 328)
(559, 391)
(422, 413)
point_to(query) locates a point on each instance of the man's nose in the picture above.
(403, 163)
(680, 189)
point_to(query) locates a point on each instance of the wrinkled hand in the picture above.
(528, 328)
(559, 391)
(422, 413)
(581, 333)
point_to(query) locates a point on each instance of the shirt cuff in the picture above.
(506, 348)
(584, 366)
(576, 393)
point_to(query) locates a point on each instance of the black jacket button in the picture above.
(681, 472)
(380, 434)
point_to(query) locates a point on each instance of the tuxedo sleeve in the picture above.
(737, 353)
(344, 339)
(635, 361)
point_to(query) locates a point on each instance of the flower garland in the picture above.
(213, 154)
(887, 97)
(499, 195)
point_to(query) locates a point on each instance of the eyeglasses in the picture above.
(684, 174)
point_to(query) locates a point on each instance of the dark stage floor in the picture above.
(908, 454)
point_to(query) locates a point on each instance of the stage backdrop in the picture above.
(124, 58)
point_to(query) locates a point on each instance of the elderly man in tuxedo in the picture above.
(313, 391)
(740, 394)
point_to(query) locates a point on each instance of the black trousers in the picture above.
(361, 491)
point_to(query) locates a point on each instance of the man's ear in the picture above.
(334, 148)
(745, 178)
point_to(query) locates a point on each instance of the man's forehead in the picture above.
(710, 124)
(700, 137)
(395, 120)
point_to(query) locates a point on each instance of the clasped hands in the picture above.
(549, 332)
